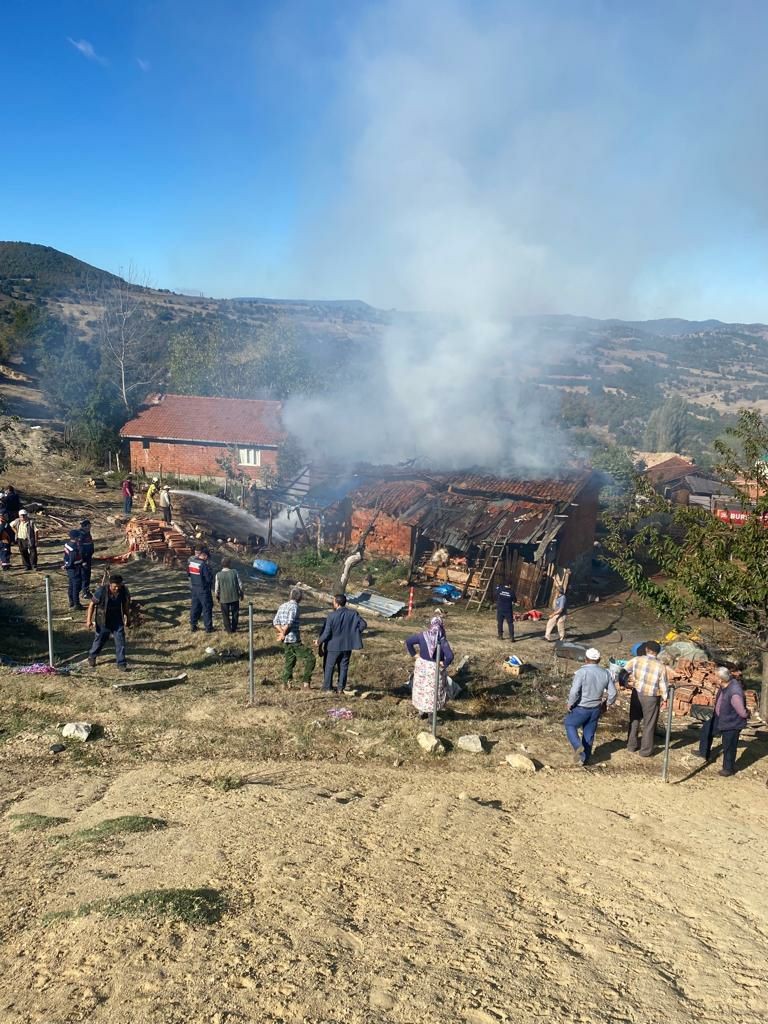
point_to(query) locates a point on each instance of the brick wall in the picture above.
(191, 459)
(388, 537)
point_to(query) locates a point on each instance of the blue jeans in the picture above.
(127, 505)
(585, 719)
(102, 635)
(74, 586)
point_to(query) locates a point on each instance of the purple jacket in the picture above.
(730, 708)
(417, 640)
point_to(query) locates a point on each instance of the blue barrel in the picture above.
(265, 566)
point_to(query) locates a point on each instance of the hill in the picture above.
(601, 378)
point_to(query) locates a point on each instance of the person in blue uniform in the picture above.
(201, 598)
(86, 551)
(505, 601)
(73, 563)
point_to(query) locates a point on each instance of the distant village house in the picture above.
(188, 435)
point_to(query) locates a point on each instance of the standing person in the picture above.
(200, 582)
(228, 590)
(286, 622)
(586, 704)
(12, 503)
(152, 491)
(26, 539)
(650, 680)
(557, 618)
(73, 563)
(86, 551)
(729, 719)
(109, 609)
(505, 600)
(6, 540)
(128, 494)
(423, 646)
(165, 503)
(342, 633)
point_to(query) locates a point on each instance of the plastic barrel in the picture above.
(263, 565)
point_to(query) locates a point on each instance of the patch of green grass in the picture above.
(111, 827)
(193, 906)
(226, 783)
(36, 822)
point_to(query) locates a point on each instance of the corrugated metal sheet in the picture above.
(376, 602)
(563, 488)
(402, 499)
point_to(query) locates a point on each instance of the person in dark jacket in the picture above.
(729, 719)
(86, 551)
(200, 582)
(342, 633)
(505, 600)
(108, 610)
(6, 540)
(73, 563)
(12, 503)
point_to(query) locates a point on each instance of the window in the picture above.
(250, 456)
(145, 445)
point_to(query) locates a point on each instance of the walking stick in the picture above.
(251, 682)
(670, 698)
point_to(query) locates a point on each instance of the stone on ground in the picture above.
(520, 762)
(430, 743)
(473, 744)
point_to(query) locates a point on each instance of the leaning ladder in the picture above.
(478, 592)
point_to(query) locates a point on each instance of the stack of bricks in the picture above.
(156, 539)
(697, 683)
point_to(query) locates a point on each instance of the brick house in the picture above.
(186, 434)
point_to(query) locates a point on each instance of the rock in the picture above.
(57, 748)
(430, 743)
(520, 762)
(367, 694)
(77, 731)
(473, 744)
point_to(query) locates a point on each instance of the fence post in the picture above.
(49, 619)
(667, 738)
(438, 652)
(251, 685)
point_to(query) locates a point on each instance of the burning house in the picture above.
(473, 530)
(189, 435)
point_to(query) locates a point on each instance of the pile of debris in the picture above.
(158, 540)
(697, 683)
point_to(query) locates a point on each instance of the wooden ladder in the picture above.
(478, 592)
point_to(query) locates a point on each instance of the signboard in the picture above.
(736, 516)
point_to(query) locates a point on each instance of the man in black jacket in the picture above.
(505, 600)
(342, 634)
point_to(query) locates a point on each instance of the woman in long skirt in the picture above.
(424, 647)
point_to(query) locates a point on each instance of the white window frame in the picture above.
(250, 456)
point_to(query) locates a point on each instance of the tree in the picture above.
(667, 429)
(713, 568)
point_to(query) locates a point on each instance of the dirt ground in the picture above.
(355, 879)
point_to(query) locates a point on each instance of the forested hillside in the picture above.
(100, 343)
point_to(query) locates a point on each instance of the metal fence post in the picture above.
(251, 685)
(49, 619)
(670, 698)
(437, 688)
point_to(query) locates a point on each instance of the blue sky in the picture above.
(596, 157)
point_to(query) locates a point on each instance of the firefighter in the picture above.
(149, 502)
(73, 563)
(200, 581)
(86, 550)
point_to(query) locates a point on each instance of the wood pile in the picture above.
(697, 684)
(159, 541)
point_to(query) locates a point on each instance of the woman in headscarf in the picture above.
(424, 647)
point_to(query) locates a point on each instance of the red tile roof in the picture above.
(669, 469)
(215, 420)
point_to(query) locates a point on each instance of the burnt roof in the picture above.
(561, 488)
(194, 418)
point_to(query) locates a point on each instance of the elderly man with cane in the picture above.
(586, 702)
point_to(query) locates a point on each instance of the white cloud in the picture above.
(86, 48)
(144, 65)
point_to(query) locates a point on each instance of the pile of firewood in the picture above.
(697, 683)
(155, 538)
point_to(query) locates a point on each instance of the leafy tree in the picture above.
(713, 568)
(668, 424)
(193, 360)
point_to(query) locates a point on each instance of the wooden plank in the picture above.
(151, 684)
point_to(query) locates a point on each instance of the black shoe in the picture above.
(92, 662)
(79, 607)
(193, 629)
(122, 668)
(725, 773)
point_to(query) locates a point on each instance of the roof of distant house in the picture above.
(671, 469)
(196, 419)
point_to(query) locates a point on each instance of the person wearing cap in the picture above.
(200, 584)
(586, 702)
(86, 550)
(505, 603)
(73, 563)
(128, 492)
(165, 503)
(650, 681)
(729, 719)
(149, 501)
(108, 610)
(26, 539)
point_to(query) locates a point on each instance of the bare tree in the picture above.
(124, 327)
